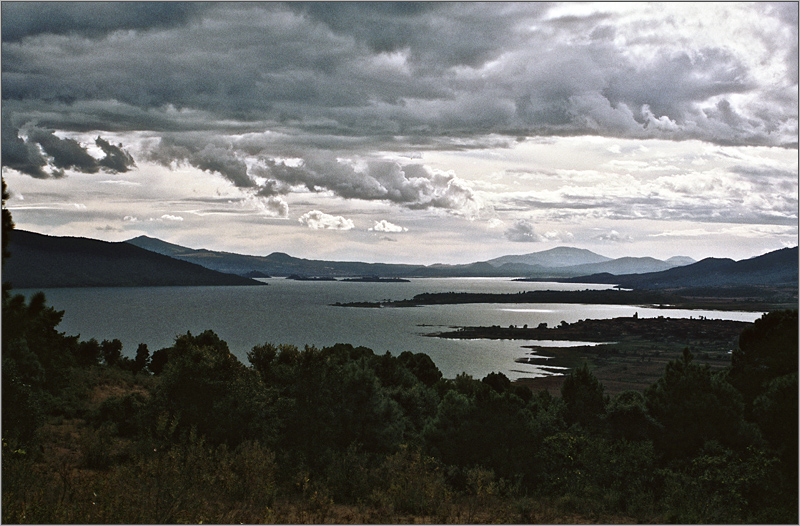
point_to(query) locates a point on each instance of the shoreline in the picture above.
(627, 353)
(769, 300)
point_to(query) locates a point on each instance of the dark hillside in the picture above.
(40, 261)
(774, 269)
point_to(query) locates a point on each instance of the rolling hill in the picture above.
(40, 261)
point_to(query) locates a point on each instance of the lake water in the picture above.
(300, 313)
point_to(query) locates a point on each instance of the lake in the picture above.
(300, 313)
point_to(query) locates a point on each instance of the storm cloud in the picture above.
(43, 148)
(436, 111)
(412, 73)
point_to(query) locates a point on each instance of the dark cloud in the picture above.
(19, 155)
(436, 35)
(354, 77)
(43, 149)
(21, 19)
(116, 159)
(65, 153)
(205, 156)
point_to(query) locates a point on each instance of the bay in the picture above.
(300, 313)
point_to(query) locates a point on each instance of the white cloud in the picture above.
(385, 226)
(612, 236)
(270, 206)
(170, 217)
(317, 220)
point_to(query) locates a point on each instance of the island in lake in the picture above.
(298, 277)
(376, 279)
(753, 299)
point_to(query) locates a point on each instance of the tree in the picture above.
(497, 381)
(204, 387)
(693, 406)
(112, 351)
(582, 393)
(776, 412)
(158, 361)
(8, 223)
(422, 366)
(627, 417)
(142, 359)
(767, 350)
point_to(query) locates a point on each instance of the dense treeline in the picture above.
(189, 433)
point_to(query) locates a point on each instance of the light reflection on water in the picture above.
(300, 313)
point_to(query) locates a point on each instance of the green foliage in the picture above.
(206, 388)
(582, 393)
(335, 405)
(410, 482)
(497, 381)
(8, 223)
(421, 366)
(692, 405)
(88, 353)
(142, 360)
(767, 350)
(21, 415)
(158, 361)
(111, 351)
(130, 413)
(36, 359)
(776, 412)
(722, 486)
(30, 339)
(485, 429)
(627, 417)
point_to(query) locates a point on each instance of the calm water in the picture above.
(299, 313)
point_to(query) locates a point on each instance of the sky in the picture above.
(406, 132)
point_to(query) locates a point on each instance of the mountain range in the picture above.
(561, 262)
(40, 261)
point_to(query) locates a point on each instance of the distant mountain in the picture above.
(275, 264)
(626, 265)
(560, 262)
(553, 258)
(570, 262)
(680, 261)
(40, 261)
(774, 269)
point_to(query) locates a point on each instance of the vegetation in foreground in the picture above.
(342, 435)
